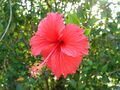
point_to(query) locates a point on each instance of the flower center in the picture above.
(61, 42)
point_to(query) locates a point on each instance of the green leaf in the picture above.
(73, 83)
(1, 28)
(90, 62)
(104, 68)
(87, 32)
(72, 19)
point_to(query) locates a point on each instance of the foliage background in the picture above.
(100, 70)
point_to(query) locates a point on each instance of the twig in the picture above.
(46, 80)
(114, 71)
(47, 85)
(10, 19)
(4, 65)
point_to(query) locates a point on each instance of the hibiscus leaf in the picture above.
(87, 32)
(72, 19)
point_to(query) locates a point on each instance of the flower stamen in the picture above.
(36, 68)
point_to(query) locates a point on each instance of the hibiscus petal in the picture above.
(48, 33)
(75, 42)
(45, 54)
(60, 63)
(70, 64)
(51, 26)
(37, 44)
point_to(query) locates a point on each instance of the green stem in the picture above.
(10, 19)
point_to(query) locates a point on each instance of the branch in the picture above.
(114, 71)
(10, 19)
(46, 81)
(47, 85)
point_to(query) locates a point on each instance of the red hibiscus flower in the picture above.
(62, 46)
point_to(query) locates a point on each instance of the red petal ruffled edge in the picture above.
(61, 64)
(48, 32)
(51, 26)
(76, 43)
(37, 44)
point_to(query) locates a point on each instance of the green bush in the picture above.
(100, 70)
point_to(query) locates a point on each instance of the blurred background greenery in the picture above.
(100, 70)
